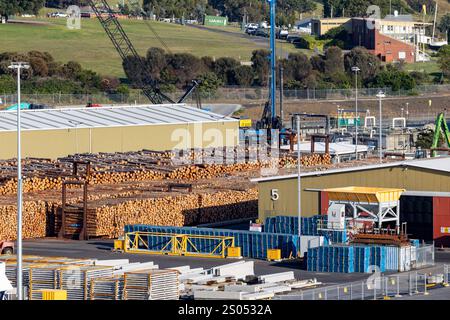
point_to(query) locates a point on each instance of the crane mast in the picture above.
(125, 48)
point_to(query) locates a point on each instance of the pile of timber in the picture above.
(34, 217)
(108, 220)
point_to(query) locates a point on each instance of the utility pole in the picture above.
(299, 187)
(355, 69)
(380, 96)
(281, 95)
(273, 87)
(19, 66)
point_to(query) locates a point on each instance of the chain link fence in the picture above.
(222, 95)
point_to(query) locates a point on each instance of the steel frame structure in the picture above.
(384, 211)
(176, 244)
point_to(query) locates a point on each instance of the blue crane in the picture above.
(269, 119)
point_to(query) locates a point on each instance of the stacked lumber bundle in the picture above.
(34, 220)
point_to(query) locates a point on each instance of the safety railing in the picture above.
(380, 286)
(178, 244)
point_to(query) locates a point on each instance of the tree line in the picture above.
(46, 76)
(330, 70)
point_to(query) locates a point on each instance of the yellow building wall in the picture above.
(59, 143)
(412, 179)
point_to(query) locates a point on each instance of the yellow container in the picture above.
(245, 123)
(234, 252)
(119, 244)
(273, 254)
(53, 294)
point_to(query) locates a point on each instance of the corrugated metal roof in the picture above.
(339, 148)
(53, 119)
(441, 164)
(436, 164)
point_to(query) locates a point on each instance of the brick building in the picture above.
(366, 33)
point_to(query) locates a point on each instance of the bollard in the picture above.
(338, 293)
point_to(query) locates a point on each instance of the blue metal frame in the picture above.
(273, 88)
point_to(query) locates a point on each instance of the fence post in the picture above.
(410, 284)
(338, 292)
(416, 283)
(398, 295)
(445, 275)
(425, 292)
(362, 290)
(375, 291)
(351, 291)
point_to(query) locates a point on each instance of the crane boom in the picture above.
(125, 48)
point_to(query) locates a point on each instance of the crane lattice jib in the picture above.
(440, 123)
(125, 48)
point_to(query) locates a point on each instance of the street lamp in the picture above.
(19, 66)
(407, 110)
(299, 186)
(380, 96)
(355, 69)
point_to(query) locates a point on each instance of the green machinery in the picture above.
(440, 123)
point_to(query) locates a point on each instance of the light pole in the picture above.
(407, 110)
(19, 66)
(338, 119)
(380, 96)
(355, 69)
(299, 187)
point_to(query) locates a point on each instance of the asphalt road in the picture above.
(101, 249)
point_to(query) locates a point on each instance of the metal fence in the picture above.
(222, 95)
(382, 286)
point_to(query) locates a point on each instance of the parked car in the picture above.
(262, 33)
(282, 34)
(250, 31)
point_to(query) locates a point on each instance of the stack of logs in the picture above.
(34, 216)
(108, 220)
(189, 172)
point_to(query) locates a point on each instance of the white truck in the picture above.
(5, 285)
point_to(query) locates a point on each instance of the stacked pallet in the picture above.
(331, 259)
(151, 285)
(253, 244)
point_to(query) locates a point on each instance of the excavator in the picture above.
(125, 48)
(441, 123)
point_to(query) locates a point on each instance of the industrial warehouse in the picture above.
(115, 129)
(217, 169)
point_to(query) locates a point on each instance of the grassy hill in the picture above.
(92, 48)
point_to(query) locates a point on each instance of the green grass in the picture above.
(428, 67)
(92, 48)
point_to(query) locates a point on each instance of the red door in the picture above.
(441, 221)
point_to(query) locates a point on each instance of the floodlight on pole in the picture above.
(380, 96)
(355, 69)
(19, 66)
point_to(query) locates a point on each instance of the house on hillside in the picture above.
(392, 40)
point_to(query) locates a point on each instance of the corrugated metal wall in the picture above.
(441, 208)
(414, 179)
(57, 143)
